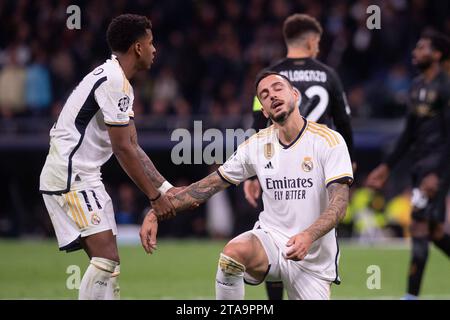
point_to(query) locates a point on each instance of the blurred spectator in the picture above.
(126, 212)
(63, 70)
(12, 86)
(358, 102)
(166, 87)
(203, 46)
(38, 94)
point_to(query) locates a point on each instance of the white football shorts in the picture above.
(299, 284)
(80, 213)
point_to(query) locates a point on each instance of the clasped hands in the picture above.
(159, 212)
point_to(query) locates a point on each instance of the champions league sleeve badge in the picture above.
(124, 103)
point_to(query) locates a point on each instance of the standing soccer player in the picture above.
(305, 170)
(427, 134)
(323, 98)
(97, 121)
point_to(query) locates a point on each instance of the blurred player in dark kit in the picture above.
(427, 136)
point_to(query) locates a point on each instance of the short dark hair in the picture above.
(265, 73)
(126, 29)
(439, 42)
(298, 24)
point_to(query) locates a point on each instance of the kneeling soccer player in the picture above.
(305, 173)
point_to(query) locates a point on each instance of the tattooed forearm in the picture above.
(149, 168)
(338, 194)
(199, 192)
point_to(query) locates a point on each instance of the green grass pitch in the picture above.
(185, 269)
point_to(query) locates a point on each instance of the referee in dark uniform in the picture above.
(427, 136)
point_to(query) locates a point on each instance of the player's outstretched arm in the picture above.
(198, 192)
(130, 161)
(298, 245)
(149, 168)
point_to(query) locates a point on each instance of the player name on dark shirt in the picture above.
(305, 75)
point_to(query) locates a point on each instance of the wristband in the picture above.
(157, 197)
(165, 187)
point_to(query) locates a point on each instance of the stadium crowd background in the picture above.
(208, 53)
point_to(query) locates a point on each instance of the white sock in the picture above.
(96, 279)
(229, 279)
(113, 291)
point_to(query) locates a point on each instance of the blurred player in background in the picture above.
(307, 171)
(322, 97)
(97, 121)
(427, 135)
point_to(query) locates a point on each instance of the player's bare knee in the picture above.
(113, 256)
(236, 252)
(111, 253)
(108, 251)
(102, 245)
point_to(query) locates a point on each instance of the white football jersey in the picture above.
(79, 140)
(294, 179)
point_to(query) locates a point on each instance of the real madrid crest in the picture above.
(307, 164)
(95, 219)
(269, 150)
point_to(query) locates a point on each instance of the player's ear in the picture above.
(437, 55)
(309, 44)
(138, 48)
(297, 94)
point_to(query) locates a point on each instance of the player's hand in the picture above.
(148, 232)
(177, 203)
(252, 191)
(298, 246)
(163, 208)
(430, 185)
(175, 190)
(377, 178)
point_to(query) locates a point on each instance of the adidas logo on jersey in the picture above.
(269, 165)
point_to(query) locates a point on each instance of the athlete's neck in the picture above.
(298, 53)
(127, 64)
(291, 128)
(431, 73)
